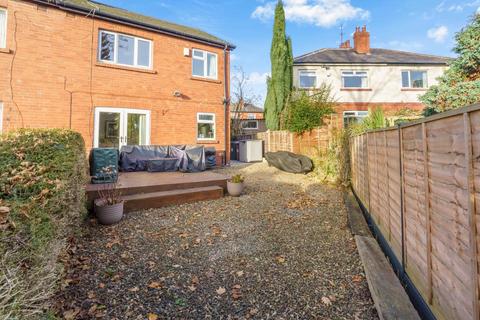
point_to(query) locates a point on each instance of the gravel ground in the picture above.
(280, 251)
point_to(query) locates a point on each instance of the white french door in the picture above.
(117, 127)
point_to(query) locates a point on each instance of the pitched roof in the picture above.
(250, 108)
(376, 56)
(107, 11)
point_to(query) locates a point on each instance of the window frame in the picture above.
(356, 114)
(410, 79)
(307, 71)
(213, 121)
(115, 48)
(205, 64)
(3, 41)
(354, 73)
(250, 120)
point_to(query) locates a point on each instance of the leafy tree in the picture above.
(279, 85)
(460, 84)
(306, 111)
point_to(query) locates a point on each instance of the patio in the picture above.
(145, 190)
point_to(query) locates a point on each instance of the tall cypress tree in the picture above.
(279, 85)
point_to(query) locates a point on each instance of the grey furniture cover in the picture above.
(143, 158)
(289, 162)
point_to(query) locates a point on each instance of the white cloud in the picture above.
(443, 6)
(438, 34)
(322, 13)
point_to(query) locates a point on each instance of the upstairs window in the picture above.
(3, 28)
(204, 64)
(308, 79)
(124, 50)
(205, 126)
(414, 79)
(354, 79)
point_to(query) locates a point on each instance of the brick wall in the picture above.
(51, 59)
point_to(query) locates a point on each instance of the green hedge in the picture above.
(42, 178)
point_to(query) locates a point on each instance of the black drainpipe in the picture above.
(225, 99)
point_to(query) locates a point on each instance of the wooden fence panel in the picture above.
(431, 170)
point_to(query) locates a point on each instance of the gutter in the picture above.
(66, 6)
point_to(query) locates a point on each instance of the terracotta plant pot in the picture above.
(108, 214)
(235, 189)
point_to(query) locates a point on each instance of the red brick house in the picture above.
(114, 76)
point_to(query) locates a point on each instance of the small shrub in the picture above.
(238, 178)
(42, 182)
(374, 120)
(306, 111)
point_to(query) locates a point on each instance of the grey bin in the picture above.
(250, 150)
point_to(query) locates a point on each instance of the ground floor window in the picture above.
(351, 117)
(205, 126)
(250, 125)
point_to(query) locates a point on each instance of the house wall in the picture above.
(51, 78)
(385, 85)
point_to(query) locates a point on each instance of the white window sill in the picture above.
(120, 67)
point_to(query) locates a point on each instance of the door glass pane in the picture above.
(125, 50)
(107, 46)
(136, 129)
(143, 53)
(109, 130)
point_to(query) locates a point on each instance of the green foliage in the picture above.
(238, 178)
(306, 111)
(333, 165)
(279, 85)
(41, 193)
(460, 84)
(374, 120)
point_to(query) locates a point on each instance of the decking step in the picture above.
(165, 198)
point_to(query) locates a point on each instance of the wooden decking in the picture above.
(143, 190)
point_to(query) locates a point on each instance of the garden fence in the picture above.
(420, 183)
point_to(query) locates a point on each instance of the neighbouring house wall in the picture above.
(419, 184)
(50, 70)
(384, 83)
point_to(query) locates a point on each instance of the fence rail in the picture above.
(420, 183)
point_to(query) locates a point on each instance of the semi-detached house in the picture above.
(362, 77)
(114, 76)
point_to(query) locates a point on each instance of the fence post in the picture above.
(471, 212)
(428, 217)
(402, 196)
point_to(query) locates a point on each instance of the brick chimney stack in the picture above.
(345, 45)
(361, 40)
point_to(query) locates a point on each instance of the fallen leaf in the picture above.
(71, 314)
(326, 301)
(221, 290)
(195, 280)
(280, 259)
(134, 289)
(236, 292)
(192, 288)
(152, 316)
(239, 273)
(155, 285)
(101, 285)
(357, 278)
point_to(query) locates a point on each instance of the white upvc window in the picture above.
(204, 64)
(250, 125)
(307, 79)
(3, 28)
(354, 79)
(125, 50)
(414, 79)
(352, 117)
(205, 126)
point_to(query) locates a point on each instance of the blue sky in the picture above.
(426, 26)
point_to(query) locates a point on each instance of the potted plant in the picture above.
(235, 185)
(109, 204)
